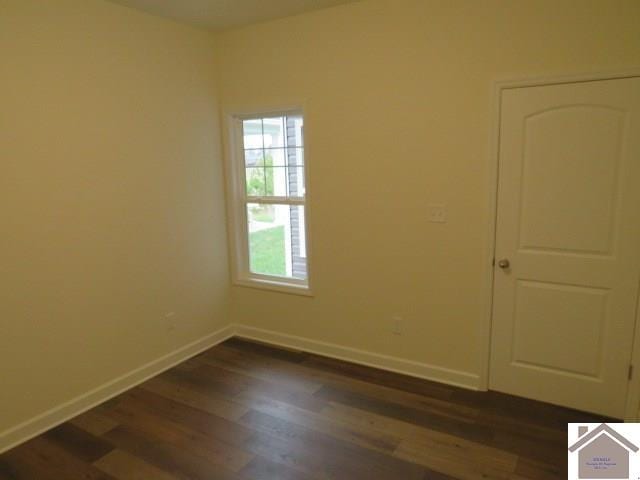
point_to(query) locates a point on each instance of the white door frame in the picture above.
(633, 392)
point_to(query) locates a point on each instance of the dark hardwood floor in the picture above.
(246, 411)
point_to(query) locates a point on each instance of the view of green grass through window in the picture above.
(275, 190)
(267, 251)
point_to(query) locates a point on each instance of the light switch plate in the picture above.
(437, 212)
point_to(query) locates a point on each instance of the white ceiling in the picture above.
(223, 14)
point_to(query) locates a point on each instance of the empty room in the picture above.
(319, 239)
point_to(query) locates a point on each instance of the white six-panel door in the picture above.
(568, 226)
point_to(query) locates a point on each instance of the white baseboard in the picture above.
(425, 371)
(61, 413)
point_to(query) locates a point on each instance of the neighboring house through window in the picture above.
(269, 201)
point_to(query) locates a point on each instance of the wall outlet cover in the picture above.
(437, 212)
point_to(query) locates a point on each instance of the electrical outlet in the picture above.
(396, 325)
(437, 212)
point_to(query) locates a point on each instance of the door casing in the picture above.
(633, 391)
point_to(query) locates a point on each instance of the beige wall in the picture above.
(398, 114)
(111, 207)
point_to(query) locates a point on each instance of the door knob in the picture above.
(504, 263)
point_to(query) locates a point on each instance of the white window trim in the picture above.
(237, 213)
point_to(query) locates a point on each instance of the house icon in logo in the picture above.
(603, 453)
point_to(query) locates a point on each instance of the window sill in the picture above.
(274, 286)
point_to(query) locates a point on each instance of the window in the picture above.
(269, 211)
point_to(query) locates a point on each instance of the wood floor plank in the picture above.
(203, 436)
(519, 443)
(279, 353)
(250, 361)
(540, 470)
(260, 388)
(263, 371)
(437, 421)
(413, 401)
(208, 384)
(40, 458)
(431, 448)
(288, 454)
(181, 392)
(14, 466)
(189, 417)
(19, 464)
(519, 409)
(262, 469)
(380, 377)
(340, 459)
(319, 422)
(78, 442)
(124, 466)
(170, 458)
(465, 460)
(365, 419)
(94, 423)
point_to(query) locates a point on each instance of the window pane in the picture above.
(252, 130)
(254, 158)
(273, 132)
(277, 244)
(294, 130)
(256, 185)
(276, 181)
(275, 157)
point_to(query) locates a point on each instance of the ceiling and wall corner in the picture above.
(217, 15)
